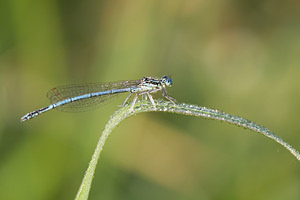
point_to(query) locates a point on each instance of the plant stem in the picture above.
(164, 106)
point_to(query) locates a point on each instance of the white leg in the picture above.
(127, 99)
(167, 97)
(153, 91)
(133, 102)
(151, 99)
(136, 96)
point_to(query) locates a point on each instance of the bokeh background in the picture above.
(242, 57)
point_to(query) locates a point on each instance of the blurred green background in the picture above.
(242, 57)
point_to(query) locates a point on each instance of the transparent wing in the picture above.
(64, 92)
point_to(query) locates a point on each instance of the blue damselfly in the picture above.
(82, 97)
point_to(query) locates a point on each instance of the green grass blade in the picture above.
(164, 106)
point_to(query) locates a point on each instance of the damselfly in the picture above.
(82, 97)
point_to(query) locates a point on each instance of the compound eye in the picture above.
(169, 82)
(166, 80)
